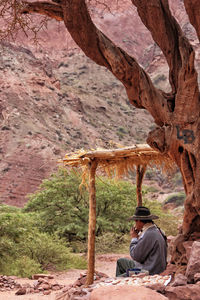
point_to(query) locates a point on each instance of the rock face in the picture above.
(193, 265)
(47, 108)
(187, 292)
(125, 292)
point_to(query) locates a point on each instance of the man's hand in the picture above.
(133, 232)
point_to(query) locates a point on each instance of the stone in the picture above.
(125, 292)
(56, 287)
(21, 291)
(45, 286)
(186, 292)
(193, 265)
(179, 279)
(159, 287)
(46, 276)
(197, 277)
(47, 292)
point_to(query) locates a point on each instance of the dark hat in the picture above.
(143, 213)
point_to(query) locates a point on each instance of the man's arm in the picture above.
(141, 247)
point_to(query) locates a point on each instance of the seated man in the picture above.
(148, 247)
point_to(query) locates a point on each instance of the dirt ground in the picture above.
(105, 263)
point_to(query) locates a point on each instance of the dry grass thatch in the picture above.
(118, 162)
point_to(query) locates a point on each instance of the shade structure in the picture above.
(120, 160)
(117, 162)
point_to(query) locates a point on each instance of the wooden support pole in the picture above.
(139, 177)
(92, 223)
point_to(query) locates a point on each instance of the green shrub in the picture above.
(177, 199)
(22, 266)
(109, 242)
(48, 251)
(20, 238)
(9, 209)
(77, 262)
(62, 208)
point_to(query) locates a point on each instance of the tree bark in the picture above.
(139, 177)
(176, 113)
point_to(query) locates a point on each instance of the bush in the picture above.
(177, 199)
(110, 242)
(22, 266)
(50, 252)
(62, 208)
(21, 241)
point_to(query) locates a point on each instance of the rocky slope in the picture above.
(54, 99)
(48, 108)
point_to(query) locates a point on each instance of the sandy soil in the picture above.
(105, 263)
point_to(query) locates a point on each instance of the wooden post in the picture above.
(139, 177)
(92, 223)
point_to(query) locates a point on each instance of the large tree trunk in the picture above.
(176, 113)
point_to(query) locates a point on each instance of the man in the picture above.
(148, 247)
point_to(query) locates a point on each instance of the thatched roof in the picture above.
(120, 160)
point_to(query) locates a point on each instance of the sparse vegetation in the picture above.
(177, 199)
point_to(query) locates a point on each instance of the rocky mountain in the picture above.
(53, 99)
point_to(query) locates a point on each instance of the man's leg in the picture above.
(122, 265)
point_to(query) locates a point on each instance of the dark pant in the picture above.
(124, 264)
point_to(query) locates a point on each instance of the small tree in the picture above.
(63, 208)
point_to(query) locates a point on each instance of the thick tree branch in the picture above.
(104, 52)
(156, 16)
(187, 97)
(193, 10)
(44, 8)
(166, 32)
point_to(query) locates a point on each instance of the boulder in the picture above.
(125, 292)
(186, 292)
(179, 279)
(193, 265)
(21, 291)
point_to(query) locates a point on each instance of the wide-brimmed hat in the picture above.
(143, 213)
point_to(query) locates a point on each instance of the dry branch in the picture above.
(49, 9)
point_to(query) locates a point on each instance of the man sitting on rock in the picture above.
(148, 247)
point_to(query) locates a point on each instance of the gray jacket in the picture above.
(149, 251)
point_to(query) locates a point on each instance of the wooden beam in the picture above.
(120, 153)
(139, 177)
(92, 222)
